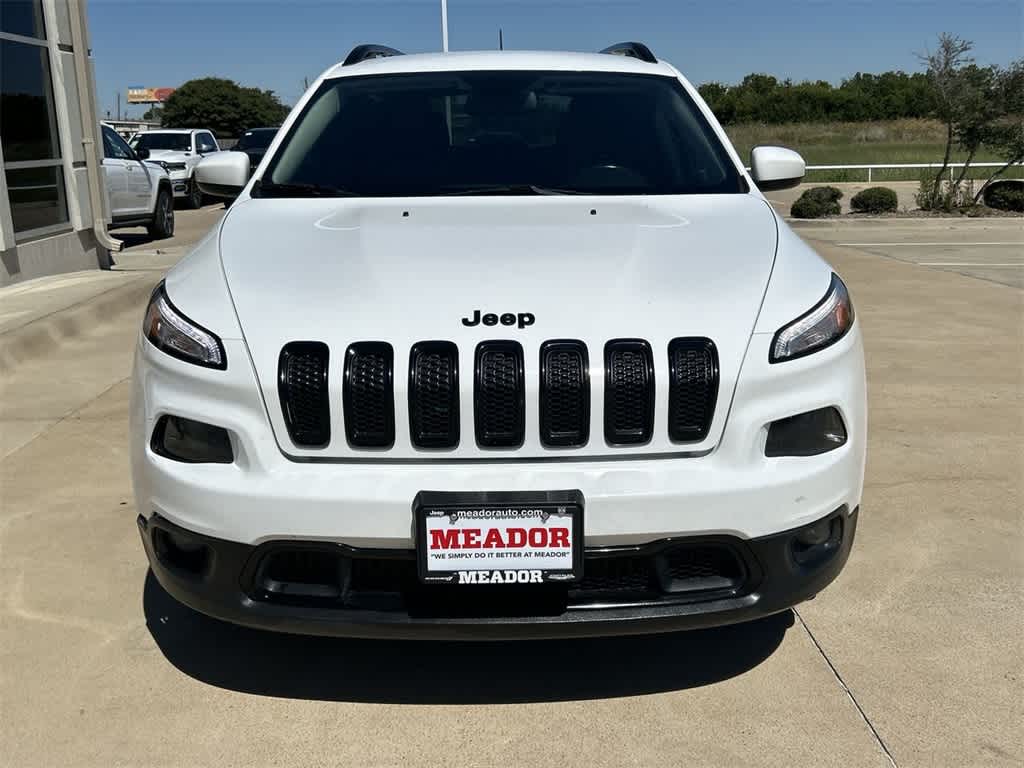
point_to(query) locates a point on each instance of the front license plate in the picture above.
(499, 538)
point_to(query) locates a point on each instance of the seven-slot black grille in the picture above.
(369, 395)
(499, 394)
(564, 393)
(692, 388)
(628, 392)
(434, 394)
(499, 390)
(302, 387)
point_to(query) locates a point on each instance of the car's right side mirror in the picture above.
(776, 168)
(223, 174)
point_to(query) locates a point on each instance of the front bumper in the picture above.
(229, 581)
(735, 490)
(180, 183)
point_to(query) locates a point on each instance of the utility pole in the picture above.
(444, 25)
(501, 40)
(118, 105)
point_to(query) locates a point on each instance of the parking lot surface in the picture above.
(912, 658)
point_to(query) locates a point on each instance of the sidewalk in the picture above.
(25, 303)
(51, 331)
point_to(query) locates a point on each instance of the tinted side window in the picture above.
(205, 143)
(114, 146)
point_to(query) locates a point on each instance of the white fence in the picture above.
(898, 166)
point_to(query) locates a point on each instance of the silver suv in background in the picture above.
(179, 150)
(138, 189)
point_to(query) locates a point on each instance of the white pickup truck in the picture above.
(179, 150)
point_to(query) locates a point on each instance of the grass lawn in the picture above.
(894, 141)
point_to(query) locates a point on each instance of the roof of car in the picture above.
(500, 60)
(173, 130)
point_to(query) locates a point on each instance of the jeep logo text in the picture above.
(521, 319)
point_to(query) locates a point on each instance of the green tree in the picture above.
(1005, 134)
(981, 105)
(952, 94)
(223, 106)
(762, 98)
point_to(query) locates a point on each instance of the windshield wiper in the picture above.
(269, 189)
(510, 189)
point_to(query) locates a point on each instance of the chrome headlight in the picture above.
(173, 333)
(825, 324)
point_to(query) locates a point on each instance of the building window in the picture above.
(22, 17)
(33, 165)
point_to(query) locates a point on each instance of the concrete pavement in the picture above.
(913, 657)
(989, 249)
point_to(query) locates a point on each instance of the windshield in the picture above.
(179, 142)
(523, 132)
(258, 138)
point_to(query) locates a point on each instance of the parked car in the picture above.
(180, 150)
(499, 345)
(138, 189)
(254, 143)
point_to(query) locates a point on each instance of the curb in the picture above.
(44, 336)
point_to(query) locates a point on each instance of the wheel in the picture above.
(162, 225)
(195, 194)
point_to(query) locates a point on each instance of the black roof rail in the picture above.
(369, 51)
(632, 50)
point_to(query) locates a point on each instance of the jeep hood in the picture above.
(402, 271)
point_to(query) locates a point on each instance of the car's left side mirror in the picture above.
(142, 153)
(223, 174)
(776, 168)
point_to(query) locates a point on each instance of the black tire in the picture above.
(162, 225)
(194, 200)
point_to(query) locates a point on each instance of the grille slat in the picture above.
(368, 395)
(564, 394)
(434, 394)
(693, 388)
(302, 388)
(629, 392)
(499, 394)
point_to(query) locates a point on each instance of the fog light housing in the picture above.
(807, 434)
(181, 552)
(191, 441)
(817, 542)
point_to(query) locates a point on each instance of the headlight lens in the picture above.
(173, 333)
(825, 324)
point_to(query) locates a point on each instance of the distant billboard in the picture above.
(148, 95)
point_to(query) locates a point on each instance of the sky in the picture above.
(275, 44)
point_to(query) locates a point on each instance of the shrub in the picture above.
(824, 194)
(1005, 195)
(947, 199)
(874, 200)
(816, 203)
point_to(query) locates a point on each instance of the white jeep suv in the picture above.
(138, 190)
(498, 345)
(179, 150)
